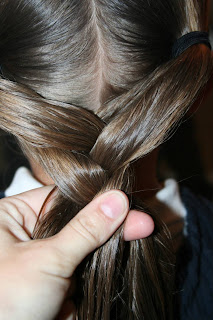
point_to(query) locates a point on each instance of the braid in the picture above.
(80, 173)
(89, 152)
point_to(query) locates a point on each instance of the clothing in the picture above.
(195, 261)
(194, 296)
(22, 181)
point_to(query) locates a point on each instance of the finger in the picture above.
(20, 211)
(138, 225)
(35, 198)
(90, 228)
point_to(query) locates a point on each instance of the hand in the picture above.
(35, 274)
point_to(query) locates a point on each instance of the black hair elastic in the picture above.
(189, 40)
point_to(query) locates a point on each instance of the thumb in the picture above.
(90, 228)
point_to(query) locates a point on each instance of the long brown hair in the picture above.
(88, 87)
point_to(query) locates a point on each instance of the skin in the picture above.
(138, 225)
(41, 270)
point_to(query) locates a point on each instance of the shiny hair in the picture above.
(89, 87)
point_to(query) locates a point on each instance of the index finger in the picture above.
(25, 207)
(35, 198)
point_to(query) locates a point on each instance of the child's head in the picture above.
(87, 52)
(88, 87)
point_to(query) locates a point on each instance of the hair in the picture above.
(87, 88)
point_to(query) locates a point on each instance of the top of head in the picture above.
(86, 52)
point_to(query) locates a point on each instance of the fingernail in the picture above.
(114, 205)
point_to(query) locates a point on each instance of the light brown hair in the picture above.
(88, 87)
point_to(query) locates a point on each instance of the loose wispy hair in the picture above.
(88, 87)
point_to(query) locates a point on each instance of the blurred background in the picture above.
(187, 156)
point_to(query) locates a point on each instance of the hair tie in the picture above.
(188, 40)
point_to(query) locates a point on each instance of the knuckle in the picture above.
(16, 209)
(87, 228)
(10, 209)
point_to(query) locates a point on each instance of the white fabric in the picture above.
(168, 205)
(22, 181)
(170, 196)
(167, 201)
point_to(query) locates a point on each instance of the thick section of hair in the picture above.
(87, 153)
